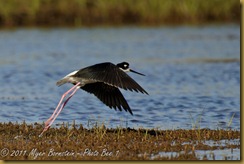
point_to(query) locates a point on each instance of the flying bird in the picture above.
(103, 80)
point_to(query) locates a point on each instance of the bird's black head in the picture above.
(125, 67)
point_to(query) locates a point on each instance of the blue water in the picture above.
(192, 75)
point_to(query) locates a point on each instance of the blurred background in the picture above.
(76, 13)
(188, 49)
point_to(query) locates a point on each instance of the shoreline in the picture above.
(21, 142)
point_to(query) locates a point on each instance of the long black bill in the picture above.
(136, 72)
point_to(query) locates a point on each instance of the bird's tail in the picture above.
(67, 79)
(61, 82)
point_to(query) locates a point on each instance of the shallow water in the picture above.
(192, 75)
(216, 154)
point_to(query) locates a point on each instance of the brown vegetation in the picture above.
(113, 12)
(22, 141)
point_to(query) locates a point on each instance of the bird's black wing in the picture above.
(109, 95)
(111, 75)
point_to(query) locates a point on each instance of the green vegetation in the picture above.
(114, 12)
(21, 142)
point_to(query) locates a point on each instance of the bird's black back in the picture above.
(110, 74)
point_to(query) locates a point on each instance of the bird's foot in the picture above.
(47, 126)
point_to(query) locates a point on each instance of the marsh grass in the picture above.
(201, 137)
(101, 143)
(113, 12)
(196, 125)
(230, 121)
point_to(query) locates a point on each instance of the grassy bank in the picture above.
(21, 141)
(113, 12)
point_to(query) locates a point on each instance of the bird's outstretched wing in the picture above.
(109, 95)
(110, 74)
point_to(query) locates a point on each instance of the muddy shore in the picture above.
(22, 142)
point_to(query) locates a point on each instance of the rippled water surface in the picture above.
(192, 75)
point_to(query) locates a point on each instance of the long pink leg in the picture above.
(57, 111)
(63, 105)
(63, 96)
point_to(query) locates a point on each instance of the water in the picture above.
(217, 154)
(192, 75)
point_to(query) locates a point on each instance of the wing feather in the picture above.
(109, 95)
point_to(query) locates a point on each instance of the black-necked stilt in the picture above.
(102, 80)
